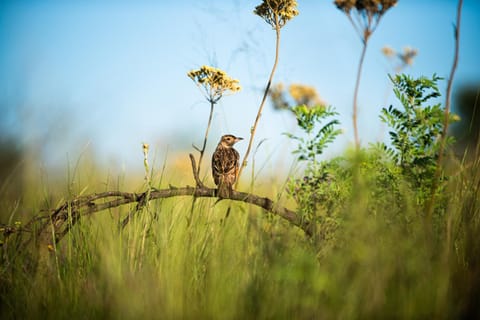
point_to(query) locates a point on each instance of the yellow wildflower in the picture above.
(215, 82)
(306, 95)
(277, 12)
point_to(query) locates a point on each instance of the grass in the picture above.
(184, 259)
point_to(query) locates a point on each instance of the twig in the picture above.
(198, 182)
(140, 204)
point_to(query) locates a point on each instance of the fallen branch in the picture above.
(61, 220)
(67, 215)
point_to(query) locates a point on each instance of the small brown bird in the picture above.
(225, 164)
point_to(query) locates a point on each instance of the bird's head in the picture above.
(229, 140)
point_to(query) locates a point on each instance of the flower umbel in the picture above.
(215, 81)
(367, 14)
(370, 6)
(277, 12)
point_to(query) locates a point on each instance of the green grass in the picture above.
(180, 259)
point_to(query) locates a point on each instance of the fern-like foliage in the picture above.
(318, 136)
(416, 128)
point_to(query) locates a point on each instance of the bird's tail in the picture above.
(224, 188)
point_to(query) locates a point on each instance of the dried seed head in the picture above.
(370, 6)
(215, 81)
(277, 12)
(367, 12)
(345, 5)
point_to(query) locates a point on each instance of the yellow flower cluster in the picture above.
(371, 6)
(299, 93)
(305, 95)
(277, 12)
(215, 81)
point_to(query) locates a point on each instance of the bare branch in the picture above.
(195, 172)
(196, 148)
(64, 218)
(61, 220)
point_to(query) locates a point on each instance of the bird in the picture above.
(225, 165)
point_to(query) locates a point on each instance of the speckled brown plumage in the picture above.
(225, 164)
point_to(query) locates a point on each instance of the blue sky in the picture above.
(105, 76)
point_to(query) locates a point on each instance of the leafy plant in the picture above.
(323, 185)
(417, 128)
(309, 119)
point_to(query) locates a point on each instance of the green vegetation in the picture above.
(372, 253)
(374, 247)
(307, 119)
(371, 256)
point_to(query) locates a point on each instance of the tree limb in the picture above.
(68, 214)
(47, 229)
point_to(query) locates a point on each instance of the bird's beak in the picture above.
(238, 139)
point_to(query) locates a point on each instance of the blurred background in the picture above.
(96, 79)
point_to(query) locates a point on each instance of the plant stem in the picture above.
(355, 94)
(202, 151)
(265, 94)
(450, 82)
(446, 120)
